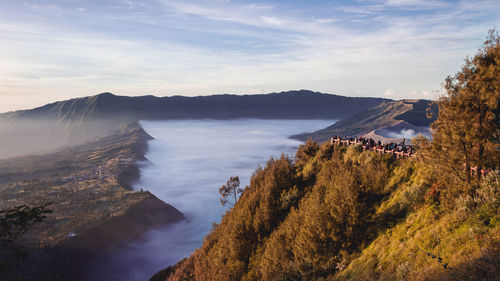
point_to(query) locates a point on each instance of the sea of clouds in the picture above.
(189, 161)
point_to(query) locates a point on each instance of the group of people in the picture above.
(398, 149)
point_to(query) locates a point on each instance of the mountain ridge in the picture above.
(383, 120)
(79, 120)
(107, 101)
(94, 207)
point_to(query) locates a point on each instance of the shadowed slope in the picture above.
(88, 189)
(410, 114)
(301, 104)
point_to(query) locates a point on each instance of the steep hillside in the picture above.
(78, 120)
(87, 187)
(339, 213)
(347, 213)
(388, 118)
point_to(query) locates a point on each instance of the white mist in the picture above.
(189, 161)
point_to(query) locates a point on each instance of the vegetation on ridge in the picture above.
(337, 213)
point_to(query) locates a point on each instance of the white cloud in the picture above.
(272, 20)
(260, 6)
(404, 133)
(325, 20)
(262, 16)
(425, 4)
(389, 93)
(265, 48)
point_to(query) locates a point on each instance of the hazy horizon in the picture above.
(55, 50)
(159, 96)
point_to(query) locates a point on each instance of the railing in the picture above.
(379, 148)
(406, 151)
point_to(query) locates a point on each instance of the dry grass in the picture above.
(431, 243)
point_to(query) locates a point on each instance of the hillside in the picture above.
(87, 187)
(387, 119)
(78, 120)
(339, 212)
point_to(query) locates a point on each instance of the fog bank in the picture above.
(190, 160)
(38, 135)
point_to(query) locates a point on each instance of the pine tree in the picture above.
(466, 125)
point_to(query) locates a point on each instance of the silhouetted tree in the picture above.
(230, 191)
(14, 223)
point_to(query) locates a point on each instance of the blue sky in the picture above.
(58, 49)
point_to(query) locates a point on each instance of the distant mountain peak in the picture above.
(105, 94)
(301, 92)
(80, 119)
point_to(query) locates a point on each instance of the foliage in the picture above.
(466, 122)
(364, 217)
(230, 191)
(287, 226)
(489, 192)
(337, 213)
(14, 223)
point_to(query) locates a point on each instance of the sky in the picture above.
(53, 50)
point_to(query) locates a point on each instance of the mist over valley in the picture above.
(155, 140)
(188, 161)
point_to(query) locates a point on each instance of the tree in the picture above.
(496, 136)
(230, 191)
(466, 124)
(14, 223)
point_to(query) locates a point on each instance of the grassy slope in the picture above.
(349, 215)
(465, 237)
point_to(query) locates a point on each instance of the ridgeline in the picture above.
(341, 213)
(387, 119)
(79, 120)
(93, 209)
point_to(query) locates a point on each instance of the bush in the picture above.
(489, 191)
